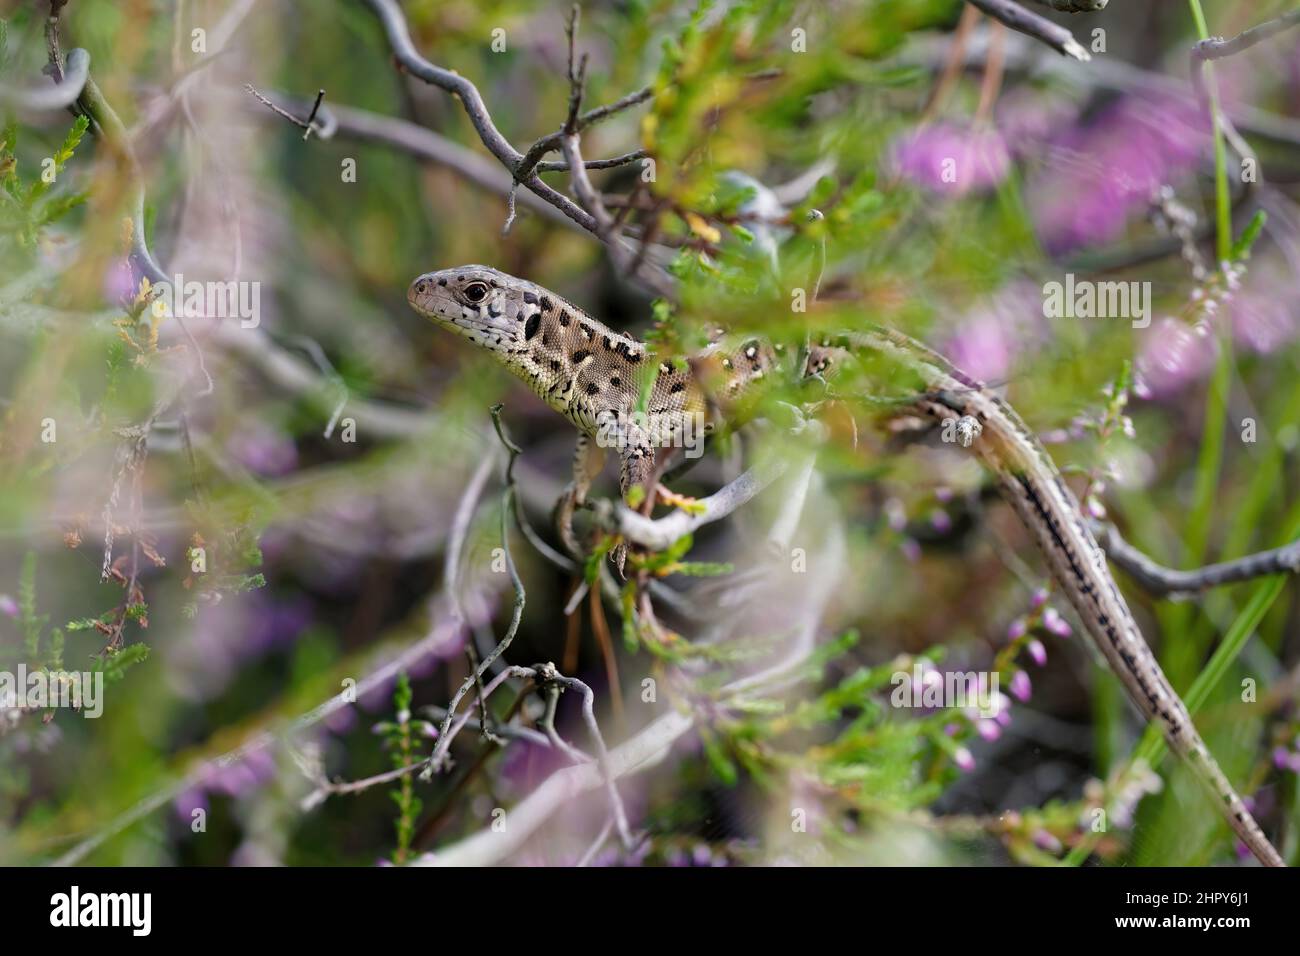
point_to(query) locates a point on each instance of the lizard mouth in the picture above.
(451, 315)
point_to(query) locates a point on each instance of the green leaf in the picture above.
(32, 624)
(1241, 248)
(58, 207)
(703, 569)
(115, 663)
(721, 763)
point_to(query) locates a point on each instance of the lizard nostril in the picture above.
(421, 286)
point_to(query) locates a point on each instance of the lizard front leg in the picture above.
(636, 470)
(588, 459)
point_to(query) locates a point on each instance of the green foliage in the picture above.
(33, 625)
(401, 744)
(33, 206)
(116, 661)
(733, 95)
(1242, 246)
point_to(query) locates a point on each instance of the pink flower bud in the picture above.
(964, 759)
(1056, 624)
(1037, 652)
(1021, 689)
(1045, 841)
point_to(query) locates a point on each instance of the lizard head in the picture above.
(483, 305)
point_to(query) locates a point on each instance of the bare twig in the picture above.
(61, 95)
(451, 572)
(1074, 6)
(547, 674)
(1031, 24)
(551, 142)
(578, 76)
(654, 742)
(325, 129)
(661, 533)
(560, 789)
(626, 260)
(290, 373)
(1162, 581)
(596, 844)
(404, 660)
(1216, 48)
(521, 165)
(611, 163)
(439, 756)
(363, 125)
(399, 39)
(509, 731)
(326, 789)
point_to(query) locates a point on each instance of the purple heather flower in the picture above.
(1017, 629)
(1262, 323)
(1056, 624)
(255, 769)
(341, 721)
(983, 347)
(8, 606)
(187, 801)
(1039, 598)
(940, 521)
(951, 159)
(1045, 841)
(1037, 652)
(964, 759)
(1132, 148)
(929, 677)
(1021, 689)
(1173, 356)
(1285, 759)
(988, 728)
(276, 624)
(987, 339)
(263, 450)
(119, 282)
(911, 550)
(1002, 709)
(526, 764)
(1026, 116)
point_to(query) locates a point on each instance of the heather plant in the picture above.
(306, 538)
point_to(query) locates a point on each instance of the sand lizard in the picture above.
(595, 376)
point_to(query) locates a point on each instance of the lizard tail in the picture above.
(1190, 747)
(1033, 486)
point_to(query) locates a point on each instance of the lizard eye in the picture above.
(476, 291)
